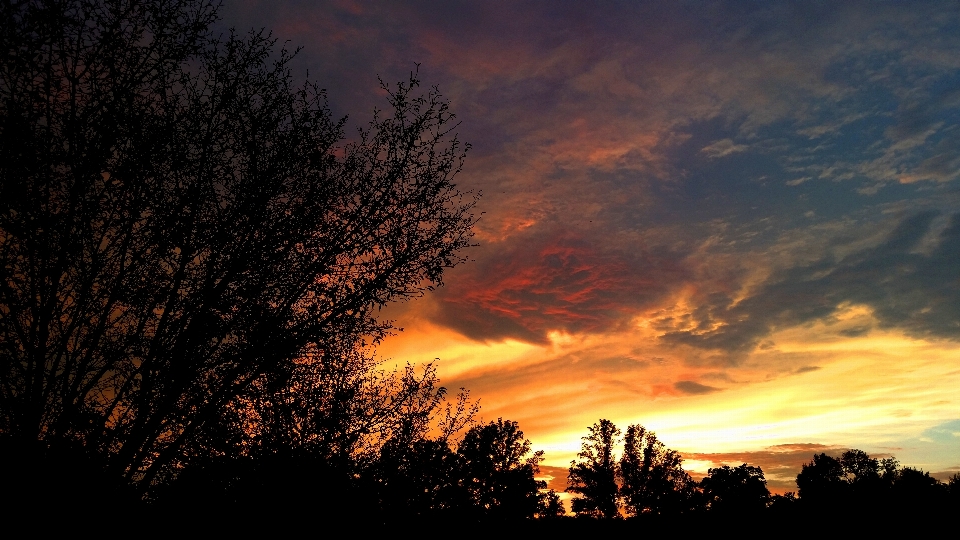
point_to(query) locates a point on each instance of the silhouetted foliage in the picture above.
(783, 504)
(822, 480)
(420, 478)
(857, 481)
(867, 477)
(490, 477)
(648, 479)
(390, 478)
(594, 476)
(915, 488)
(652, 478)
(953, 486)
(497, 473)
(192, 256)
(551, 507)
(741, 489)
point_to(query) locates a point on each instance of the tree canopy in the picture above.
(652, 475)
(192, 250)
(594, 476)
(647, 479)
(739, 489)
(498, 472)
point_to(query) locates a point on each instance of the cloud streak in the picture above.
(905, 288)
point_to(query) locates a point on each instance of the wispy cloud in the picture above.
(723, 147)
(916, 292)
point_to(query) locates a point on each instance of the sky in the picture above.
(735, 223)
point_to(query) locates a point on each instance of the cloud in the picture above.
(546, 282)
(690, 387)
(555, 477)
(724, 147)
(947, 432)
(916, 292)
(543, 281)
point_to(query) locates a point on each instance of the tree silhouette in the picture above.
(551, 506)
(735, 489)
(497, 473)
(653, 479)
(490, 477)
(594, 476)
(409, 475)
(953, 486)
(857, 481)
(421, 478)
(190, 250)
(916, 488)
(821, 481)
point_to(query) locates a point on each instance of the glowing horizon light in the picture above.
(823, 405)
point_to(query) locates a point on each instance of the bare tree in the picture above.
(183, 227)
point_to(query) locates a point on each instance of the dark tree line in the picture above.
(489, 475)
(856, 481)
(648, 480)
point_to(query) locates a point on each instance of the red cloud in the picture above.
(564, 283)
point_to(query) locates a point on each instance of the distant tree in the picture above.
(190, 250)
(858, 466)
(551, 506)
(953, 486)
(785, 504)
(951, 500)
(822, 481)
(271, 470)
(915, 491)
(420, 478)
(912, 481)
(594, 475)
(735, 489)
(653, 479)
(864, 474)
(499, 474)
(859, 481)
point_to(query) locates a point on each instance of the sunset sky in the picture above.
(736, 223)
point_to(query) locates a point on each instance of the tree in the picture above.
(551, 506)
(423, 478)
(953, 486)
(855, 478)
(653, 479)
(735, 489)
(916, 488)
(497, 473)
(188, 242)
(594, 476)
(410, 474)
(821, 481)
